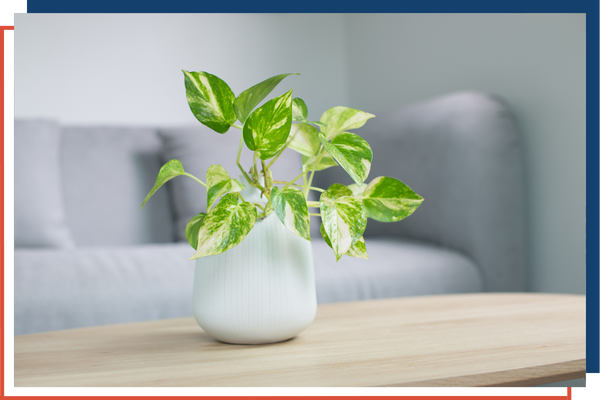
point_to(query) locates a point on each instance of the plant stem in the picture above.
(239, 194)
(259, 206)
(320, 155)
(313, 204)
(238, 159)
(315, 214)
(293, 180)
(194, 178)
(317, 189)
(237, 126)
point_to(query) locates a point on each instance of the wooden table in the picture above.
(453, 340)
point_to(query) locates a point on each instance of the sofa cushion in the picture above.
(395, 268)
(200, 147)
(108, 285)
(108, 171)
(40, 219)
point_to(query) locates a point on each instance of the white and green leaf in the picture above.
(267, 129)
(304, 139)
(299, 110)
(389, 200)
(225, 226)
(357, 190)
(310, 163)
(210, 100)
(352, 152)
(344, 218)
(218, 182)
(250, 98)
(192, 229)
(290, 206)
(358, 249)
(340, 119)
(170, 170)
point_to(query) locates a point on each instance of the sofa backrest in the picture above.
(461, 153)
(107, 172)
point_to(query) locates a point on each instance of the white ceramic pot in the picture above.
(261, 291)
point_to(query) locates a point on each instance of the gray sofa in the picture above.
(87, 254)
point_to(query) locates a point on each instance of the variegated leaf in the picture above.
(340, 119)
(389, 200)
(290, 206)
(299, 110)
(358, 249)
(304, 139)
(250, 98)
(327, 161)
(266, 130)
(225, 226)
(170, 170)
(343, 217)
(218, 182)
(352, 152)
(357, 190)
(210, 100)
(192, 229)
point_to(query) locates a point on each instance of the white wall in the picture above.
(126, 69)
(534, 61)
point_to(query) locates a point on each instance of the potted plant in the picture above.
(254, 276)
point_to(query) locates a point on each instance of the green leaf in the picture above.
(218, 182)
(343, 217)
(389, 200)
(266, 130)
(249, 98)
(225, 226)
(192, 229)
(352, 152)
(357, 190)
(290, 206)
(299, 110)
(304, 139)
(358, 249)
(210, 100)
(337, 191)
(170, 170)
(340, 119)
(326, 162)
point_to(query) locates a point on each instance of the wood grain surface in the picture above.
(484, 339)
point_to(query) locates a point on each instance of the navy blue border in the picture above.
(306, 6)
(590, 7)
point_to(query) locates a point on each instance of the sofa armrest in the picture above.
(461, 153)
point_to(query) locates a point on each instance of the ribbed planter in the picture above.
(261, 291)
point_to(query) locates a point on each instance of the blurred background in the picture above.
(126, 70)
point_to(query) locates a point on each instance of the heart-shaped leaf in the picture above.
(266, 130)
(340, 119)
(309, 163)
(389, 200)
(358, 249)
(343, 217)
(225, 226)
(304, 139)
(210, 100)
(192, 229)
(249, 98)
(290, 206)
(170, 170)
(299, 110)
(352, 152)
(218, 182)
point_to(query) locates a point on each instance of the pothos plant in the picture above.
(279, 124)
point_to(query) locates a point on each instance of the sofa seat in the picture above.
(62, 289)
